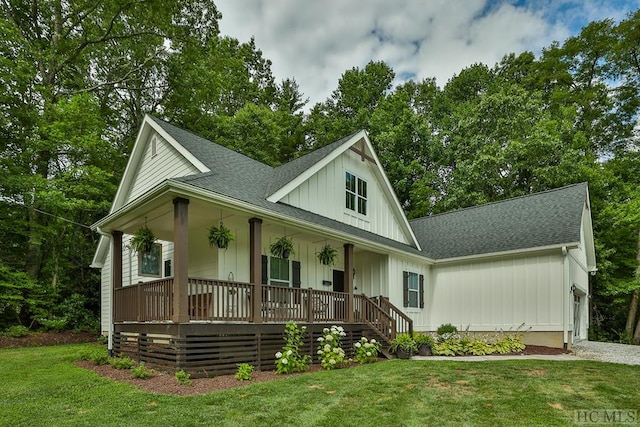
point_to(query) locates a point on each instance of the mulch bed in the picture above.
(39, 339)
(165, 382)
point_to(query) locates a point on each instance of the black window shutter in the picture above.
(295, 266)
(405, 288)
(421, 291)
(265, 272)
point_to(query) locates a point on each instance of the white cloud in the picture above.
(316, 42)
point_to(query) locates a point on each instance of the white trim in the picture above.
(508, 253)
(188, 190)
(148, 124)
(387, 188)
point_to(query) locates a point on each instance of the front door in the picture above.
(338, 281)
(339, 305)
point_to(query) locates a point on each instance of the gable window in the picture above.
(150, 263)
(356, 193)
(413, 287)
(154, 146)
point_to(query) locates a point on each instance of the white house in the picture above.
(524, 261)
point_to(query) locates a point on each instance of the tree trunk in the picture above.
(636, 335)
(633, 311)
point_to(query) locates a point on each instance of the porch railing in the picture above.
(370, 313)
(215, 300)
(404, 324)
(144, 302)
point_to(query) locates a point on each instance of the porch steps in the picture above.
(384, 342)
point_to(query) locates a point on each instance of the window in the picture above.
(150, 263)
(279, 271)
(154, 146)
(413, 286)
(414, 289)
(356, 193)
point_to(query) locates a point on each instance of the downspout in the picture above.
(110, 310)
(565, 297)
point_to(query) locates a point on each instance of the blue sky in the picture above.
(315, 42)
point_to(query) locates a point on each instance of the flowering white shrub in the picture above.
(366, 351)
(289, 359)
(330, 353)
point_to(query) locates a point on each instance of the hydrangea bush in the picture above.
(289, 359)
(330, 352)
(365, 351)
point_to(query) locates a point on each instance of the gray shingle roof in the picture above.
(242, 178)
(552, 217)
(289, 171)
(542, 219)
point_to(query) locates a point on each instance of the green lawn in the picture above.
(42, 387)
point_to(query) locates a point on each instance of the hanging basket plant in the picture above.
(143, 240)
(282, 248)
(327, 255)
(220, 236)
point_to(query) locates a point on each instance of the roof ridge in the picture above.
(164, 122)
(551, 190)
(337, 143)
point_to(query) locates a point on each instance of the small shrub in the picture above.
(245, 372)
(123, 362)
(183, 378)
(365, 351)
(97, 357)
(289, 359)
(447, 328)
(103, 339)
(141, 371)
(17, 331)
(54, 324)
(330, 352)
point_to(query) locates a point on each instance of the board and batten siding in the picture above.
(494, 295)
(167, 163)
(395, 269)
(324, 194)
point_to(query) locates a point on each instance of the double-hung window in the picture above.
(278, 271)
(356, 193)
(413, 289)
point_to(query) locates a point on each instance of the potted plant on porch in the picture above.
(404, 346)
(327, 255)
(143, 240)
(220, 236)
(282, 248)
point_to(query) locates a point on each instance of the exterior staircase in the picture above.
(384, 321)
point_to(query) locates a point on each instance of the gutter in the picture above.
(566, 278)
(248, 208)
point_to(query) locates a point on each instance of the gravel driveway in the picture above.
(607, 352)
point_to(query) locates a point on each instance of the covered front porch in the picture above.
(210, 289)
(232, 322)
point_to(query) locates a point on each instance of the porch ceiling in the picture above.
(157, 214)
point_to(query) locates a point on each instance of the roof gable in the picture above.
(149, 125)
(292, 175)
(553, 217)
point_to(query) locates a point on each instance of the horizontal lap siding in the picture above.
(167, 163)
